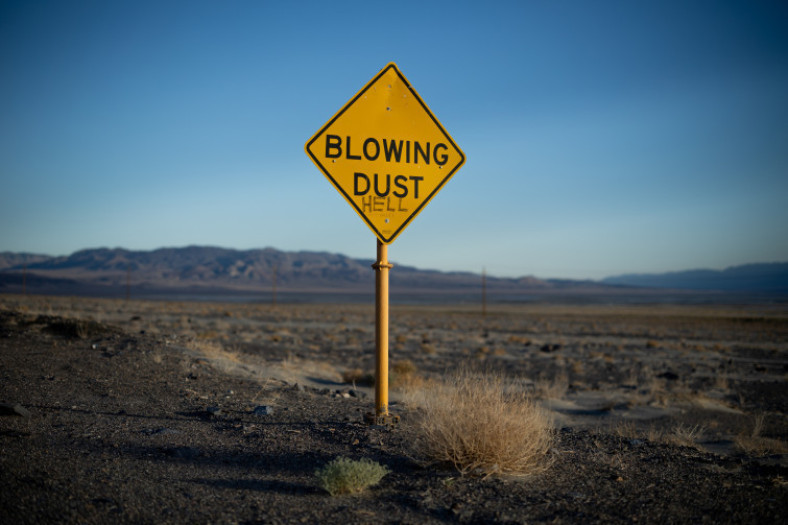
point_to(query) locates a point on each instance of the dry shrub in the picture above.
(756, 445)
(214, 350)
(404, 367)
(357, 376)
(519, 339)
(482, 425)
(721, 382)
(428, 349)
(760, 446)
(404, 375)
(552, 389)
(625, 429)
(208, 335)
(655, 435)
(685, 436)
(263, 397)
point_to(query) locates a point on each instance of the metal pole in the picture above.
(484, 292)
(382, 267)
(273, 285)
(128, 282)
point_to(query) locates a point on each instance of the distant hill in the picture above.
(11, 260)
(213, 269)
(764, 277)
(207, 270)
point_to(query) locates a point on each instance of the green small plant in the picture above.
(346, 476)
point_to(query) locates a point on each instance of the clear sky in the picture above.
(601, 137)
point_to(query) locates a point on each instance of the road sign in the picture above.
(386, 153)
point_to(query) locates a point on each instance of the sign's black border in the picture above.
(390, 238)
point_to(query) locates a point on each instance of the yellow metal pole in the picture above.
(382, 267)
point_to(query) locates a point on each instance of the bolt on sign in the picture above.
(386, 153)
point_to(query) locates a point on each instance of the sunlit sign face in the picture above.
(386, 153)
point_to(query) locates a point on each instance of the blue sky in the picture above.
(601, 137)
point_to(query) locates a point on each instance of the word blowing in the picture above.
(386, 153)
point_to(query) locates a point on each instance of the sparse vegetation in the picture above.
(211, 349)
(404, 375)
(554, 388)
(347, 476)
(754, 444)
(482, 425)
(685, 436)
(358, 377)
(616, 458)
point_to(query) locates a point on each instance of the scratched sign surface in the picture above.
(386, 153)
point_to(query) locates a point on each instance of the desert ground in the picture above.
(133, 411)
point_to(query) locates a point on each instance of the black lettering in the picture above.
(400, 206)
(388, 186)
(375, 143)
(366, 204)
(388, 205)
(357, 177)
(377, 204)
(399, 182)
(425, 154)
(333, 142)
(407, 151)
(442, 159)
(416, 180)
(390, 148)
(353, 157)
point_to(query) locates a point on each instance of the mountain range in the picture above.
(206, 270)
(211, 269)
(763, 277)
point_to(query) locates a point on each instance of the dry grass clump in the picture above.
(625, 429)
(760, 446)
(213, 350)
(357, 376)
(554, 388)
(428, 348)
(685, 436)
(756, 445)
(482, 425)
(404, 375)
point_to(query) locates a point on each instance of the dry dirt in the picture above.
(138, 412)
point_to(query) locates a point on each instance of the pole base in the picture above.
(381, 420)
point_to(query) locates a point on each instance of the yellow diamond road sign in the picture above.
(386, 153)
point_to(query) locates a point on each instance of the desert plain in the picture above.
(133, 411)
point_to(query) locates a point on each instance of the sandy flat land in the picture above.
(145, 411)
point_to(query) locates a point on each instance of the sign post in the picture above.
(382, 267)
(388, 156)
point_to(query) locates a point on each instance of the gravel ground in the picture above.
(114, 425)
